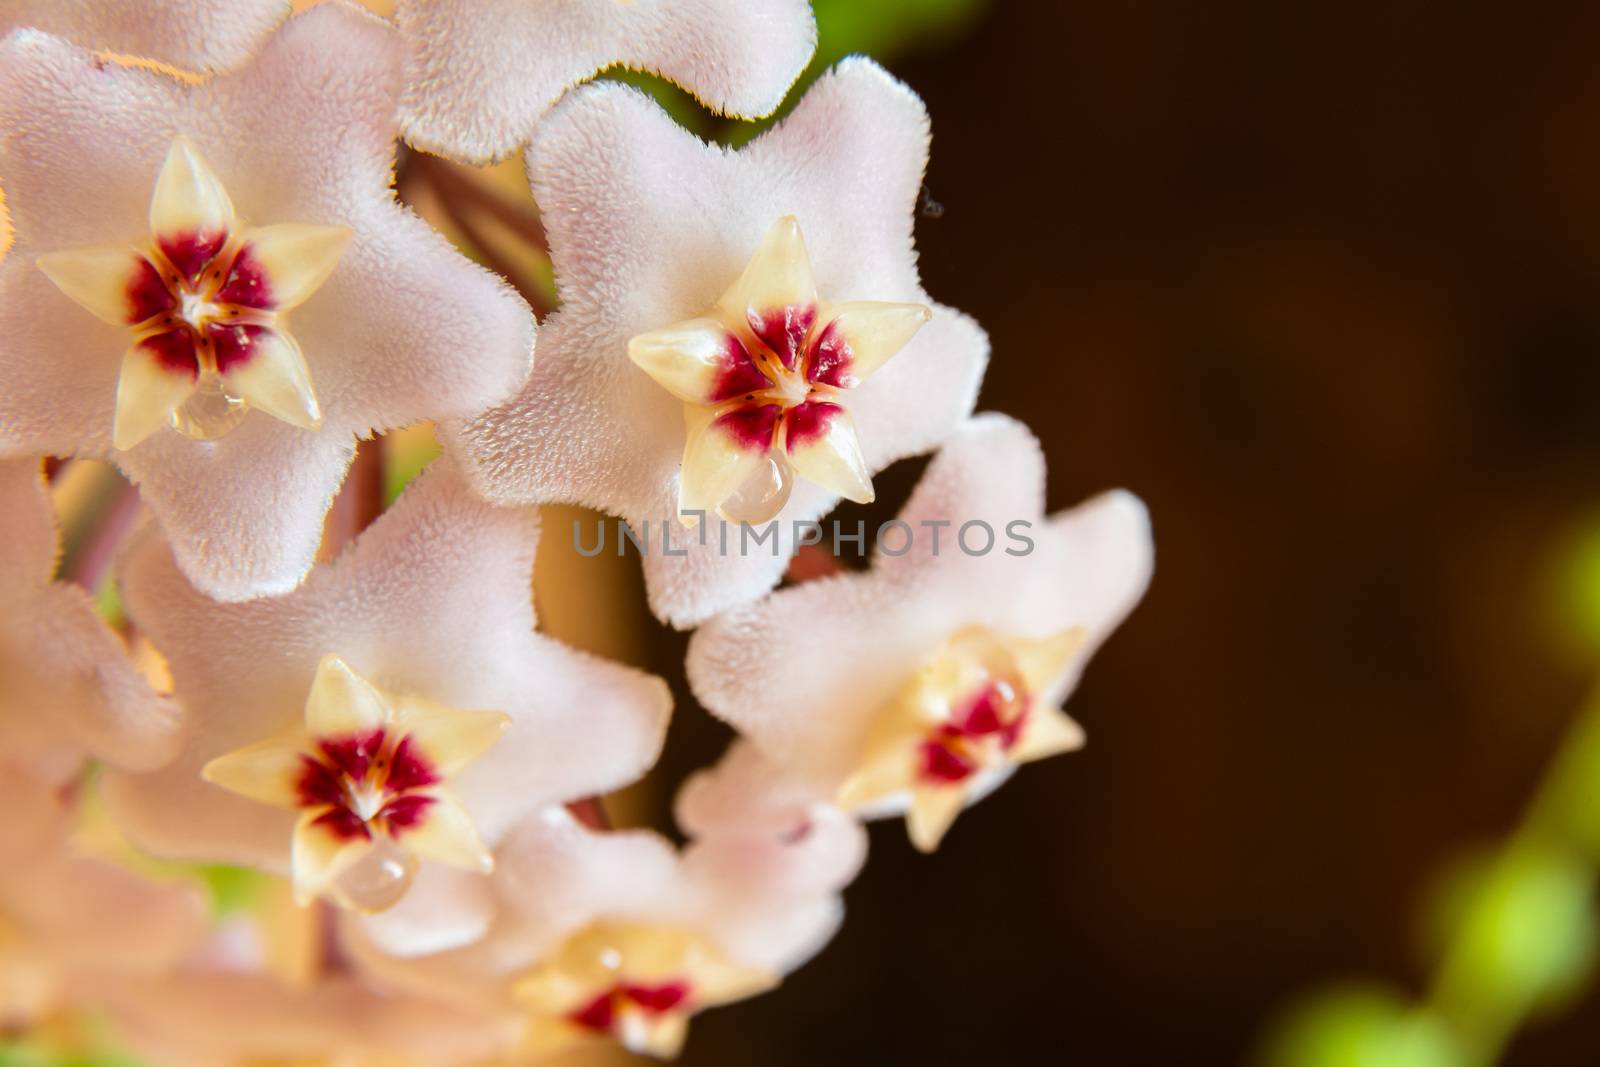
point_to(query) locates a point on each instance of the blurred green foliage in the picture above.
(1361, 1026)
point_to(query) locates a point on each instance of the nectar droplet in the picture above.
(210, 412)
(763, 494)
(379, 879)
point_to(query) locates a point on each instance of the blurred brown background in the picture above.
(1322, 283)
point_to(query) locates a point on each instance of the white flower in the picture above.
(482, 72)
(396, 708)
(918, 686)
(187, 34)
(652, 230)
(67, 686)
(179, 221)
(617, 935)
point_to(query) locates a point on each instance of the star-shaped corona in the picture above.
(635, 983)
(367, 774)
(971, 712)
(765, 377)
(205, 299)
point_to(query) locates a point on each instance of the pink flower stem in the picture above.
(115, 514)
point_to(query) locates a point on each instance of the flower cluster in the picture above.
(212, 286)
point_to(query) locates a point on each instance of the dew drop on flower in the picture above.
(210, 412)
(380, 878)
(763, 494)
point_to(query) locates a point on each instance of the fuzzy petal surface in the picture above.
(810, 710)
(648, 227)
(191, 35)
(403, 329)
(482, 72)
(432, 600)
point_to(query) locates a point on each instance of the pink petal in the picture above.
(484, 71)
(433, 599)
(188, 34)
(60, 655)
(624, 188)
(403, 329)
(812, 712)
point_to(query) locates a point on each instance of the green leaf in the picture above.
(1361, 1026)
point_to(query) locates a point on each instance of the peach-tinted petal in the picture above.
(1048, 732)
(267, 370)
(777, 284)
(445, 832)
(268, 771)
(484, 71)
(624, 190)
(725, 451)
(189, 34)
(932, 812)
(155, 380)
(698, 361)
(102, 279)
(448, 738)
(281, 265)
(823, 447)
(191, 214)
(320, 855)
(445, 908)
(341, 703)
(856, 338)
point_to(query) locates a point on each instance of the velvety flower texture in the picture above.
(397, 709)
(924, 681)
(649, 227)
(72, 921)
(618, 936)
(67, 686)
(482, 72)
(297, 143)
(188, 34)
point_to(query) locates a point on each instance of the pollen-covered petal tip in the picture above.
(280, 266)
(156, 379)
(267, 771)
(823, 447)
(114, 282)
(266, 369)
(342, 703)
(191, 214)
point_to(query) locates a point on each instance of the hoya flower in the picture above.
(187, 34)
(617, 936)
(67, 917)
(222, 294)
(388, 721)
(482, 72)
(973, 644)
(769, 294)
(67, 685)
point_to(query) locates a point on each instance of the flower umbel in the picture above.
(205, 299)
(635, 983)
(765, 377)
(971, 711)
(366, 774)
